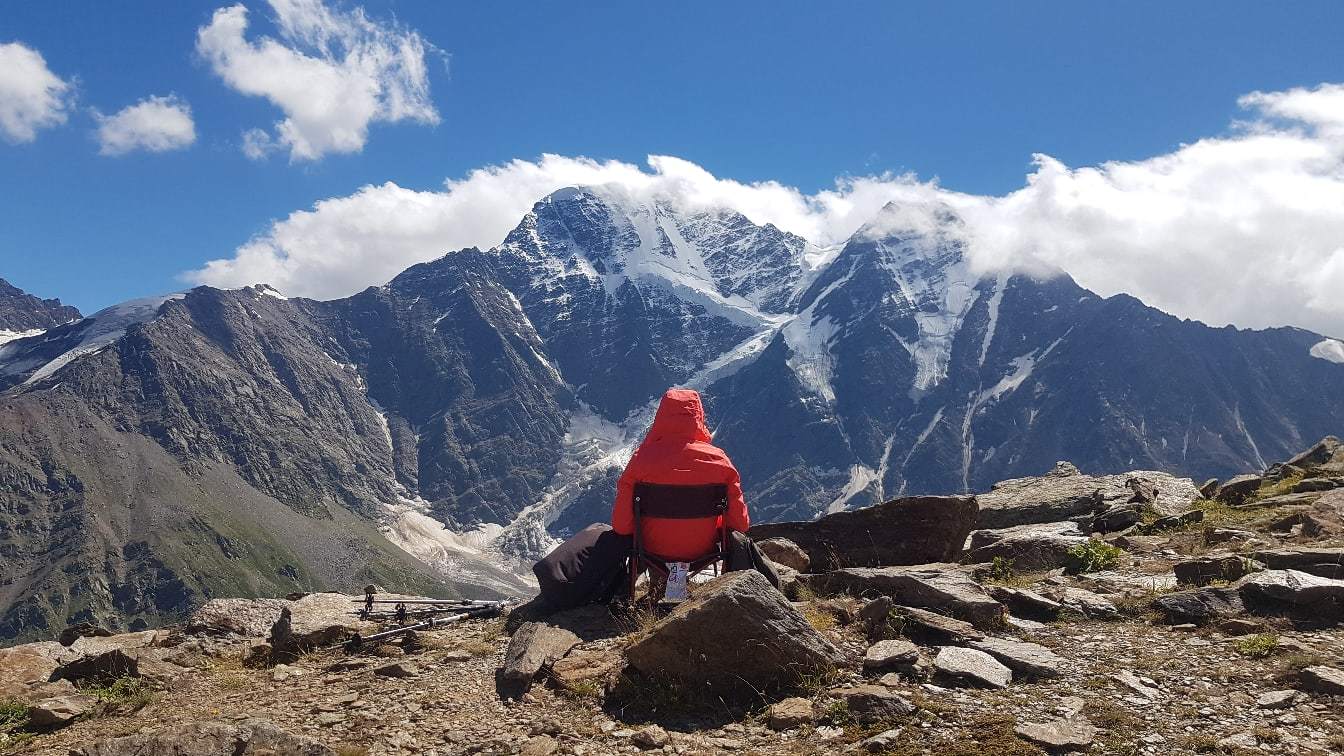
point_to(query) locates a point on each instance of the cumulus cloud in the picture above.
(332, 73)
(155, 124)
(31, 96)
(1245, 228)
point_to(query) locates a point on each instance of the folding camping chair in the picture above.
(683, 503)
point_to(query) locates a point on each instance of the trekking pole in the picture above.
(357, 641)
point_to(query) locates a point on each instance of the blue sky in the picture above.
(799, 93)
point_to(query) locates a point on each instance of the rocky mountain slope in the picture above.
(1205, 621)
(455, 422)
(22, 314)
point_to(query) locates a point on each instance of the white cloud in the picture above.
(31, 96)
(1247, 228)
(331, 72)
(155, 124)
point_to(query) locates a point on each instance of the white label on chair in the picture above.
(676, 582)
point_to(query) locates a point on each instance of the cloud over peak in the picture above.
(31, 96)
(1244, 228)
(332, 73)
(155, 124)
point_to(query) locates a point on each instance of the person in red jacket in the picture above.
(677, 451)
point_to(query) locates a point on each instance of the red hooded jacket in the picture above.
(677, 451)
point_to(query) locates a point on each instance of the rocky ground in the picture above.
(1127, 615)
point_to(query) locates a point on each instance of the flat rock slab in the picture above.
(1322, 679)
(1074, 733)
(252, 736)
(972, 666)
(931, 528)
(1083, 602)
(1322, 562)
(920, 622)
(942, 588)
(1200, 606)
(1029, 659)
(736, 634)
(888, 655)
(1025, 601)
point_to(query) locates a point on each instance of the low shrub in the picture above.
(1093, 556)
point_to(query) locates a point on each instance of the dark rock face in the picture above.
(937, 587)
(932, 528)
(21, 311)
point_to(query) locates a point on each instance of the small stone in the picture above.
(1276, 699)
(650, 737)
(826, 732)
(541, 745)
(1240, 740)
(1242, 627)
(1076, 733)
(327, 719)
(785, 552)
(1029, 659)
(1131, 681)
(883, 741)
(791, 713)
(397, 669)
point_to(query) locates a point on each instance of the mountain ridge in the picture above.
(477, 407)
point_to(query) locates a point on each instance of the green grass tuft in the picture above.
(1093, 556)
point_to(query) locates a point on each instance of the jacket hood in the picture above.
(680, 416)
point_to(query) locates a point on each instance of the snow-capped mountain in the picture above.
(442, 430)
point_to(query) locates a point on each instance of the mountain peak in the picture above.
(22, 314)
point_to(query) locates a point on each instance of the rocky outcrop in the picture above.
(1327, 562)
(773, 647)
(1067, 494)
(932, 528)
(21, 312)
(942, 588)
(1199, 606)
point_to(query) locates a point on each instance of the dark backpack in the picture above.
(586, 569)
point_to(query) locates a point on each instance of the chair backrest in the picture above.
(675, 502)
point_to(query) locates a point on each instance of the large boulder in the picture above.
(252, 736)
(1031, 547)
(1067, 494)
(930, 528)
(736, 634)
(940, 587)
